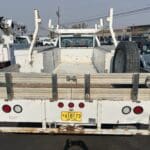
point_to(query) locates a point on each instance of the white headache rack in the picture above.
(77, 31)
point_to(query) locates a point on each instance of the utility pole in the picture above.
(58, 15)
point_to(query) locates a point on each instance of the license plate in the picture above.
(71, 116)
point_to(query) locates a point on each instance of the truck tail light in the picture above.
(6, 108)
(138, 110)
(126, 110)
(81, 105)
(60, 105)
(17, 109)
(71, 105)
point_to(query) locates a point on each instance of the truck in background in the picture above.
(12, 36)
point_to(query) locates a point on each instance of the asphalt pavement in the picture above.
(70, 142)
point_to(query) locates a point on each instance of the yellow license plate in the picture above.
(71, 116)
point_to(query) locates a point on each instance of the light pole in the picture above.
(58, 15)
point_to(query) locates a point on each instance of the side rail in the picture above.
(53, 87)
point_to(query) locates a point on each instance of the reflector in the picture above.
(6, 108)
(17, 109)
(71, 105)
(81, 105)
(138, 110)
(60, 105)
(126, 110)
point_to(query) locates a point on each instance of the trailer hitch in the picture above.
(70, 128)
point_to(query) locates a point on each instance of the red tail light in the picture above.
(138, 110)
(6, 108)
(81, 105)
(60, 105)
(71, 105)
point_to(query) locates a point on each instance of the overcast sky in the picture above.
(73, 10)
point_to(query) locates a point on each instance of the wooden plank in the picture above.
(3, 93)
(116, 78)
(31, 93)
(39, 86)
(99, 78)
(121, 93)
(77, 93)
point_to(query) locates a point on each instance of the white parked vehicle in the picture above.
(77, 93)
(11, 37)
(47, 42)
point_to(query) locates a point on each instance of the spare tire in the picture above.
(126, 58)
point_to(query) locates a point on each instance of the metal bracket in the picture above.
(71, 78)
(9, 86)
(54, 87)
(135, 86)
(87, 86)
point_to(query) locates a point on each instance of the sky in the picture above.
(73, 10)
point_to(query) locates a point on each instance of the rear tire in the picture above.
(126, 58)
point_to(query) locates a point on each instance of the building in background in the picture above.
(127, 33)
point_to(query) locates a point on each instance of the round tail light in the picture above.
(6, 108)
(81, 105)
(126, 110)
(17, 109)
(60, 105)
(71, 105)
(138, 110)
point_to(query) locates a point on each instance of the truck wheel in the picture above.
(126, 58)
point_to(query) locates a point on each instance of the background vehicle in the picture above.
(12, 36)
(144, 47)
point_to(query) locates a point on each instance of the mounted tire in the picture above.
(126, 58)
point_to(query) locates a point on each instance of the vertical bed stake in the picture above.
(54, 87)
(87, 86)
(9, 86)
(135, 86)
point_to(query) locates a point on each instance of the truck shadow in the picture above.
(75, 145)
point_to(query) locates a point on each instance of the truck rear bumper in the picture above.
(75, 131)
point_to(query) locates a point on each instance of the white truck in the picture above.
(77, 88)
(11, 38)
